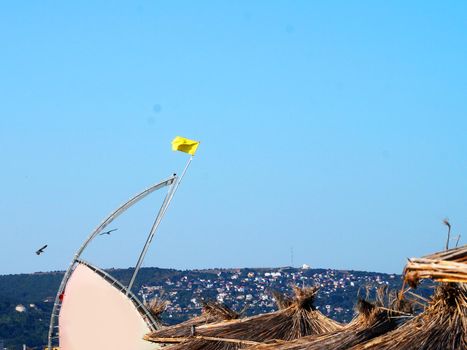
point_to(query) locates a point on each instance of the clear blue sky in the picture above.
(337, 128)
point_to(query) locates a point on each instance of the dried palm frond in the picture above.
(446, 222)
(458, 254)
(156, 307)
(218, 311)
(282, 301)
(373, 319)
(297, 320)
(447, 266)
(438, 270)
(211, 312)
(443, 325)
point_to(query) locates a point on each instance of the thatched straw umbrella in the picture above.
(211, 312)
(443, 325)
(294, 321)
(373, 319)
(156, 307)
(446, 266)
(454, 254)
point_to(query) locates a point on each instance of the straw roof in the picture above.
(446, 266)
(443, 325)
(156, 307)
(438, 270)
(373, 319)
(294, 321)
(211, 312)
(454, 254)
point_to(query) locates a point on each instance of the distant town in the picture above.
(26, 300)
(251, 289)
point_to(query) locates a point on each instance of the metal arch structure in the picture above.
(173, 181)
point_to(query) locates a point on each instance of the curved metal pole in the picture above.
(94, 233)
(157, 221)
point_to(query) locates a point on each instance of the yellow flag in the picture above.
(184, 145)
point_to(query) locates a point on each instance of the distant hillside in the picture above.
(33, 294)
(42, 286)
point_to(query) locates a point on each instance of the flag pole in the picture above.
(158, 220)
(177, 183)
(184, 170)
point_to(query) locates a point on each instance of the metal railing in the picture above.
(152, 323)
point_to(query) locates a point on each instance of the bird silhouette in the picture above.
(41, 250)
(108, 232)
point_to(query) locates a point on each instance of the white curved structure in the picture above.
(97, 315)
(94, 311)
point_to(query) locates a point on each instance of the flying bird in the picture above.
(41, 250)
(108, 232)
